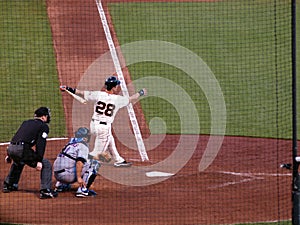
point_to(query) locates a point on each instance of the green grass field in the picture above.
(238, 47)
(28, 76)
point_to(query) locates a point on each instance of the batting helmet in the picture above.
(111, 82)
(82, 133)
(43, 111)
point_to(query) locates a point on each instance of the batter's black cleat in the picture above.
(122, 164)
(48, 193)
(9, 188)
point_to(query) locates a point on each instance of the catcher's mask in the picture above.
(111, 82)
(83, 133)
(43, 111)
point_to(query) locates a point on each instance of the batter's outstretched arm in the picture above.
(72, 90)
(135, 97)
(79, 92)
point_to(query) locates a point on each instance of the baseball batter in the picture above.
(106, 105)
(72, 165)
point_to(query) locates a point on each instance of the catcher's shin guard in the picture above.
(91, 179)
(95, 165)
(91, 173)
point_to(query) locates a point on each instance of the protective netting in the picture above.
(216, 123)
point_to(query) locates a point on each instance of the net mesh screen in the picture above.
(207, 142)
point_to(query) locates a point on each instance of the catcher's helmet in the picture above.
(43, 111)
(111, 82)
(82, 133)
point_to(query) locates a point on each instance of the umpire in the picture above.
(32, 133)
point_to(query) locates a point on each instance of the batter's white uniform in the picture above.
(105, 108)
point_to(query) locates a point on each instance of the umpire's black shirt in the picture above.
(33, 132)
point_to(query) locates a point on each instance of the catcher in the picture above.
(72, 165)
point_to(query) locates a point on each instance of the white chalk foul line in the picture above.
(49, 139)
(114, 55)
(248, 178)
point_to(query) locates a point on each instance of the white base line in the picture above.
(48, 139)
(248, 177)
(133, 120)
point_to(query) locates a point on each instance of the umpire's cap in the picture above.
(43, 111)
(111, 82)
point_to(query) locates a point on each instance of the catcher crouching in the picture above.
(72, 165)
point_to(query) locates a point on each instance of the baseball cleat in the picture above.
(92, 193)
(60, 187)
(48, 193)
(82, 192)
(122, 164)
(8, 188)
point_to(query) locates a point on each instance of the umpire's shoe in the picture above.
(8, 188)
(48, 193)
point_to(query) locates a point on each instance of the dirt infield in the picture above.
(230, 191)
(243, 184)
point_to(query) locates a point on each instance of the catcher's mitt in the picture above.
(105, 157)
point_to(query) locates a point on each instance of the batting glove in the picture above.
(142, 92)
(62, 87)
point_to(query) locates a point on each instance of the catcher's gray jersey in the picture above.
(66, 160)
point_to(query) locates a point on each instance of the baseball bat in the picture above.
(78, 98)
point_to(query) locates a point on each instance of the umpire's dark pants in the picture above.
(16, 169)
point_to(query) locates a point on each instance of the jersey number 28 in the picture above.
(106, 109)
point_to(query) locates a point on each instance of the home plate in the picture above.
(158, 174)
